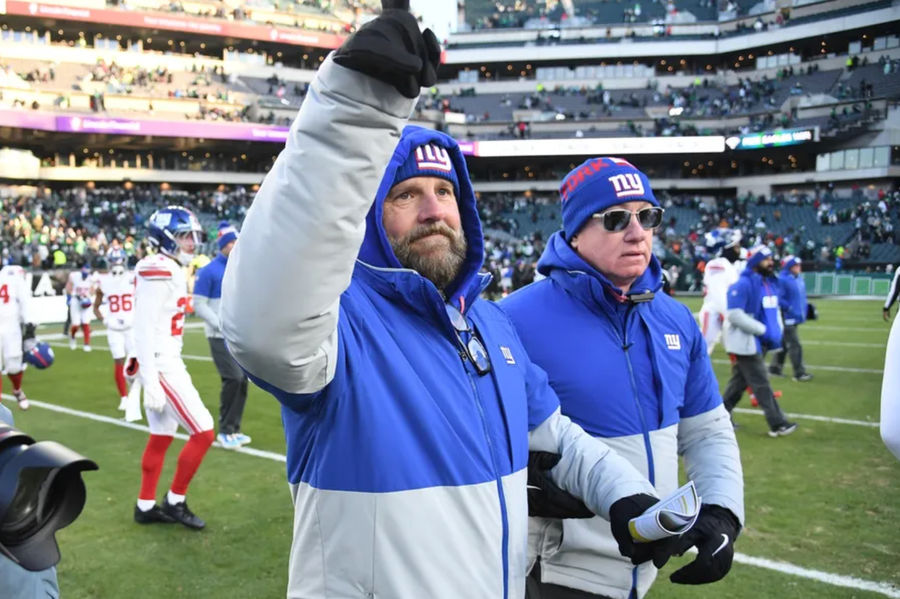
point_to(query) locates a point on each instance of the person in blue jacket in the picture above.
(207, 299)
(409, 404)
(630, 365)
(754, 327)
(792, 301)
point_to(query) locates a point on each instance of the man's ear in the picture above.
(574, 242)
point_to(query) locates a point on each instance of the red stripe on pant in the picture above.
(179, 406)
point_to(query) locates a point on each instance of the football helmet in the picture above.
(116, 258)
(721, 239)
(38, 354)
(168, 227)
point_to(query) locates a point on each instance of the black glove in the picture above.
(714, 534)
(624, 510)
(545, 498)
(28, 332)
(391, 48)
(811, 312)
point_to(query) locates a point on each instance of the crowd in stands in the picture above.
(759, 98)
(826, 230)
(48, 228)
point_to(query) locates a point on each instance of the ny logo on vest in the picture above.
(507, 355)
(770, 301)
(433, 157)
(673, 341)
(627, 185)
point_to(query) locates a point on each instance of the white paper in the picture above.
(673, 515)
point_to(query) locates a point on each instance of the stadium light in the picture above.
(41, 491)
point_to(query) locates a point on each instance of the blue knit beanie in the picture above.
(790, 261)
(598, 184)
(757, 255)
(429, 160)
(227, 234)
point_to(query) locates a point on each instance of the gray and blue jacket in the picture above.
(638, 376)
(407, 468)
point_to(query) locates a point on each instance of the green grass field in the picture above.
(823, 500)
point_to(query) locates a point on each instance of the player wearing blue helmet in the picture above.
(114, 305)
(720, 272)
(170, 399)
(80, 288)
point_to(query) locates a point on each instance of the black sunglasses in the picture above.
(618, 219)
(474, 349)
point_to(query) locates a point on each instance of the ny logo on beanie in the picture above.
(433, 157)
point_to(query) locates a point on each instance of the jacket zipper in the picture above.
(644, 430)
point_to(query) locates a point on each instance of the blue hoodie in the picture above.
(792, 299)
(668, 377)
(407, 468)
(638, 376)
(758, 297)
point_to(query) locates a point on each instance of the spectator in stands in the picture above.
(627, 344)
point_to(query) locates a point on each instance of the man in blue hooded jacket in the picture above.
(754, 327)
(630, 365)
(792, 301)
(409, 405)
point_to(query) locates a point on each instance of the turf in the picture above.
(824, 498)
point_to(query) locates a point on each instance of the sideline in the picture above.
(815, 367)
(883, 588)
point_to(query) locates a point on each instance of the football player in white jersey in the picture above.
(720, 273)
(115, 295)
(170, 399)
(80, 288)
(14, 312)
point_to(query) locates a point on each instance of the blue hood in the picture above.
(376, 249)
(559, 258)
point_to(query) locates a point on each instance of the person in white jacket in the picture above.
(890, 392)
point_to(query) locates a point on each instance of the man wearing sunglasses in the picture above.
(630, 366)
(409, 404)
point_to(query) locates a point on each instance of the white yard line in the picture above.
(269, 455)
(106, 348)
(814, 417)
(838, 580)
(851, 582)
(815, 367)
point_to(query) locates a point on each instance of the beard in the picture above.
(766, 271)
(440, 266)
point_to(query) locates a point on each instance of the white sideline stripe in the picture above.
(813, 417)
(101, 332)
(106, 347)
(815, 367)
(883, 588)
(844, 343)
(838, 580)
(269, 455)
(825, 327)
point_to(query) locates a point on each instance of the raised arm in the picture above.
(301, 236)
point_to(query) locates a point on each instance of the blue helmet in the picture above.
(40, 355)
(168, 225)
(720, 239)
(116, 256)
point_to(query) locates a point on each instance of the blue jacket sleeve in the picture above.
(203, 283)
(737, 296)
(701, 392)
(542, 399)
